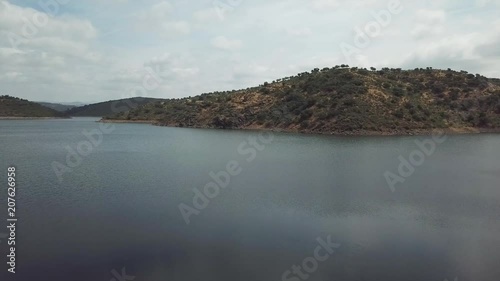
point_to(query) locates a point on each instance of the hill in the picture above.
(57, 106)
(341, 100)
(16, 107)
(109, 107)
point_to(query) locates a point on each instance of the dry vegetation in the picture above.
(341, 100)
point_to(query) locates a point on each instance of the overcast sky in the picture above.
(97, 50)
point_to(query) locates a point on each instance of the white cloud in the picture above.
(206, 15)
(300, 31)
(11, 76)
(431, 16)
(321, 5)
(180, 27)
(471, 52)
(160, 19)
(37, 52)
(429, 23)
(484, 3)
(98, 50)
(161, 10)
(221, 42)
(325, 4)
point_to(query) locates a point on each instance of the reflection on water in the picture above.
(119, 208)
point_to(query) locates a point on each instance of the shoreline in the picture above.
(402, 132)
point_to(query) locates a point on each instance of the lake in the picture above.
(112, 212)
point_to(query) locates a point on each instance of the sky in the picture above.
(99, 50)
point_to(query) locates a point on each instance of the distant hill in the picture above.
(109, 107)
(341, 100)
(16, 107)
(57, 106)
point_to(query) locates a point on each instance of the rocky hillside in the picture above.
(16, 107)
(341, 100)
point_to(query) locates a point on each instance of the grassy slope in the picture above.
(341, 100)
(16, 107)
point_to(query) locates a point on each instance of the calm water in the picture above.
(119, 207)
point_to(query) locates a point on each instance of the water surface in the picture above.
(119, 207)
